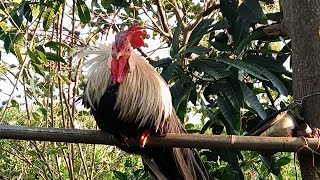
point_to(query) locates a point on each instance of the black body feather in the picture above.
(107, 119)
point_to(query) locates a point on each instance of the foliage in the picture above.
(224, 65)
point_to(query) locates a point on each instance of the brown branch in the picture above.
(148, 58)
(163, 19)
(161, 31)
(200, 16)
(179, 16)
(185, 28)
(253, 143)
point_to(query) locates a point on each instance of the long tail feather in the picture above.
(187, 162)
(152, 167)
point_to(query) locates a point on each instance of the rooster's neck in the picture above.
(144, 95)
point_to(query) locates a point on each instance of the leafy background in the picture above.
(223, 64)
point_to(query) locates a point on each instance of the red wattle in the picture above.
(123, 69)
(119, 69)
(114, 70)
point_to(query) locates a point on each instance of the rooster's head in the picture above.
(121, 51)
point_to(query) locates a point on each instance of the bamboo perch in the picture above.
(253, 143)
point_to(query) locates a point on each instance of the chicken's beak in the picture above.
(119, 54)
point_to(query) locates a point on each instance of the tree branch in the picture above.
(200, 16)
(176, 11)
(163, 19)
(161, 31)
(253, 143)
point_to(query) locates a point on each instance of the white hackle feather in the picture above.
(144, 95)
(99, 74)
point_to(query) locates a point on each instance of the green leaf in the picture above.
(65, 78)
(168, 71)
(51, 151)
(269, 162)
(209, 10)
(18, 47)
(220, 41)
(228, 9)
(283, 161)
(211, 155)
(3, 69)
(48, 18)
(230, 88)
(219, 45)
(200, 31)
(17, 20)
(182, 107)
(50, 14)
(119, 3)
(233, 170)
(137, 2)
(180, 90)
(38, 69)
(33, 89)
(27, 12)
(55, 57)
(9, 40)
(14, 103)
(120, 175)
(257, 34)
(175, 41)
(210, 67)
(33, 57)
(273, 79)
(222, 24)
(251, 12)
(162, 62)
(83, 11)
(232, 115)
(44, 111)
(42, 56)
(268, 63)
(199, 50)
(57, 45)
(107, 5)
(252, 101)
(193, 96)
(212, 118)
(243, 66)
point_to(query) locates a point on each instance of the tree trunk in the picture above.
(302, 22)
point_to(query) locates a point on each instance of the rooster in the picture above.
(129, 99)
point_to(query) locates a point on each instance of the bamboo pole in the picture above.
(252, 143)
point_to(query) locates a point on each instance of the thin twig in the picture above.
(148, 58)
(26, 101)
(42, 158)
(92, 161)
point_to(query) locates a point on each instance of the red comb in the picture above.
(134, 34)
